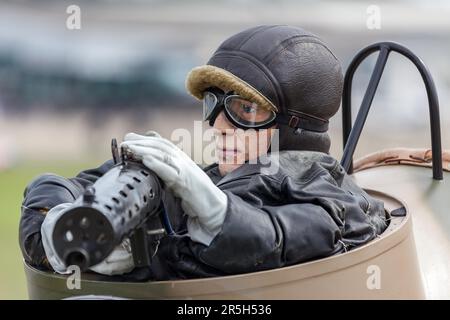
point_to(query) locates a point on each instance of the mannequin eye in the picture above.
(247, 108)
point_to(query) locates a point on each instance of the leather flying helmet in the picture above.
(284, 69)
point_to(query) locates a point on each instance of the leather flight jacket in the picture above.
(298, 206)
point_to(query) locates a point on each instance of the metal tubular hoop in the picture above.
(351, 135)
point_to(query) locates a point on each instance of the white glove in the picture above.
(46, 233)
(120, 261)
(201, 200)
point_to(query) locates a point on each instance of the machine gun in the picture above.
(116, 206)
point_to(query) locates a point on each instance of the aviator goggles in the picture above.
(241, 113)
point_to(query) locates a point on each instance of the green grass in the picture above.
(12, 184)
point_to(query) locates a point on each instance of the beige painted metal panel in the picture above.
(428, 201)
(344, 276)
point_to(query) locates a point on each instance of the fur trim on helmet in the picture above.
(203, 77)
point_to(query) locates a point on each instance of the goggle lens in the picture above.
(248, 113)
(209, 103)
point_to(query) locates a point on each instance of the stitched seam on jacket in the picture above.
(336, 171)
(77, 186)
(277, 181)
(280, 240)
(310, 177)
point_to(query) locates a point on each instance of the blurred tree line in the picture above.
(25, 88)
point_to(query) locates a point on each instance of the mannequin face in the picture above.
(235, 146)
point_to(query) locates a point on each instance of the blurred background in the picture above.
(65, 93)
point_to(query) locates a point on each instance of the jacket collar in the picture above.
(246, 170)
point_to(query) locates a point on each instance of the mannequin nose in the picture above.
(222, 123)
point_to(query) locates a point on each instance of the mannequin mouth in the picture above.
(227, 152)
(228, 148)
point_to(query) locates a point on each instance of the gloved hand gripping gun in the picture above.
(116, 206)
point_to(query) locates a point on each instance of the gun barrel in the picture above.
(111, 209)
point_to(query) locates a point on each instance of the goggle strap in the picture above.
(303, 121)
